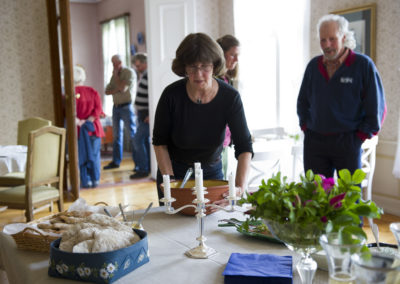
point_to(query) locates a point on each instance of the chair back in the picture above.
(267, 154)
(368, 159)
(297, 161)
(27, 125)
(269, 133)
(44, 174)
(45, 160)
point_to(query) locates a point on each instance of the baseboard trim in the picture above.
(390, 205)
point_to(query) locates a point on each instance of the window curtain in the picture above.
(115, 40)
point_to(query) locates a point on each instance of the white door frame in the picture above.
(167, 23)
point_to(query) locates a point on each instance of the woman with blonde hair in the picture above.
(230, 45)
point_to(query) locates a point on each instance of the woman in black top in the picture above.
(193, 112)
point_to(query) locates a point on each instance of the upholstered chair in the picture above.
(24, 127)
(44, 173)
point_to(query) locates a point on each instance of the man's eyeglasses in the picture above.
(192, 69)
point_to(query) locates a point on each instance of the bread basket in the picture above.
(32, 239)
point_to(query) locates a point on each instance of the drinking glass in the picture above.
(338, 253)
(376, 268)
(395, 228)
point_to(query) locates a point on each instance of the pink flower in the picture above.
(336, 200)
(307, 201)
(337, 205)
(324, 219)
(328, 184)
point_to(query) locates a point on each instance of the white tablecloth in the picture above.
(169, 236)
(12, 158)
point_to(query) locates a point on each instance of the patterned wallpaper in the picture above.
(214, 18)
(25, 76)
(207, 12)
(226, 23)
(387, 50)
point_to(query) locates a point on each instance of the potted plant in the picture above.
(298, 213)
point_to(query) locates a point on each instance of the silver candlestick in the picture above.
(202, 250)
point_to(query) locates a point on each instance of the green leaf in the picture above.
(344, 220)
(345, 175)
(310, 175)
(355, 188)
(318, 179)
(358, 176)
(366, 254)
(363, 210)
(356, 231)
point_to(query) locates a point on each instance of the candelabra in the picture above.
(202, 250)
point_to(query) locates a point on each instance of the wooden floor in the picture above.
(116, 187)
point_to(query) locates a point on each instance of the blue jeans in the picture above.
(122, 116)
(90, 173)
(141, 144)
(210, 171)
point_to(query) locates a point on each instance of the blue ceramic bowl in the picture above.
(103, 267)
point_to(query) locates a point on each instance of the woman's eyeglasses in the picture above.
(192, 69)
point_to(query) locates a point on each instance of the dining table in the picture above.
(169, 237)
(12, 158)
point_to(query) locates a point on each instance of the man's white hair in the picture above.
(116, 56)
(343, 28)
(79, 74)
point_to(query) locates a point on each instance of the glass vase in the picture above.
(302, 239)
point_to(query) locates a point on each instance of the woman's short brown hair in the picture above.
(198, 47)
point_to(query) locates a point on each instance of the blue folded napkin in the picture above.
(258, 268)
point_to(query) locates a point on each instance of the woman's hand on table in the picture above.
(225, 202)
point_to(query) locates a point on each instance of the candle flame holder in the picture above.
(202, 250)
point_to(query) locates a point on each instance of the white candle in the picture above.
(167, 187)
(199, 187)
(232, 189)
(197, 167)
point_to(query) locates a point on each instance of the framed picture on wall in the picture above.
(362, 21)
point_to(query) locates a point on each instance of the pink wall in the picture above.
(86, 43)
(86, 33)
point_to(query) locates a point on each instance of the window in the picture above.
(274, 53)
(115, 39)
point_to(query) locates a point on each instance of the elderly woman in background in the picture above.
(193, 112)
(230, 45)
(90, 131)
